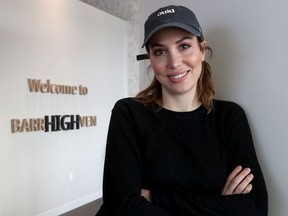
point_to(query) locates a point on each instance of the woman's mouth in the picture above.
(178, 76)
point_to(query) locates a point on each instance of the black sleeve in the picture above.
(122, 171)
(241, 151)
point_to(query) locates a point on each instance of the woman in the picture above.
(174, 150)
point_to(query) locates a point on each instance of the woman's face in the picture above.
(176, 60)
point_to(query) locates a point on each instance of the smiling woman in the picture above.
(174, 149)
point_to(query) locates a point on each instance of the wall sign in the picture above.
(48, 87)
(54, 122)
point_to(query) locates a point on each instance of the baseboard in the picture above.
(71, 205)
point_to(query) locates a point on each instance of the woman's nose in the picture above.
(175, 60)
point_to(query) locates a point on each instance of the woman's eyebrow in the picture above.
(177, 42)
(156, 45)
(184, 38)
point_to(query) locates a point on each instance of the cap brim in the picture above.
(175, 24)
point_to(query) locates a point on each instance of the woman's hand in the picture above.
(146, 194)
(238, 182)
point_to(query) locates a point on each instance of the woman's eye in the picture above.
(158, 52)
(185, 46)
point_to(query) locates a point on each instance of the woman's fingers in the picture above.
(242, 186)
(247, 189)
(146, 194)
(238, 182)
(227, 190)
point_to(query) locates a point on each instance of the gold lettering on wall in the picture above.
(55, 123)
(88, 121)
(27, 125)
(47, 87)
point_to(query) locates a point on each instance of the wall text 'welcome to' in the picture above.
(47, 87)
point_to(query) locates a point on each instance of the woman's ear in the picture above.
(203, 49)
(203, 45)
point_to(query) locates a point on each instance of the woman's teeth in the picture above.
(178, 76)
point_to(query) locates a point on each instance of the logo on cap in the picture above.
(167, 11)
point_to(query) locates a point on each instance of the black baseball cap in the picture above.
(170, 16)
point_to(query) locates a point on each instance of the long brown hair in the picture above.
(152, 95)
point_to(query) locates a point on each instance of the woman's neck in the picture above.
(180, 103)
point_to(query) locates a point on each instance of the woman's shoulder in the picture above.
(133, 109)
(228, 112)
(227, 106)
(130, 104)
(128, 101)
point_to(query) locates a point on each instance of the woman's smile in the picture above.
(178, 76)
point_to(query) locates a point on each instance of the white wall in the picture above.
(69, 43)
(126, 10)
(249, 40)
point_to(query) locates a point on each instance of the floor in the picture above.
(89, 209)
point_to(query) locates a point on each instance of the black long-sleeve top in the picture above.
(184, 158)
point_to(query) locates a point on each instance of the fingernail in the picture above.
(248, 169)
